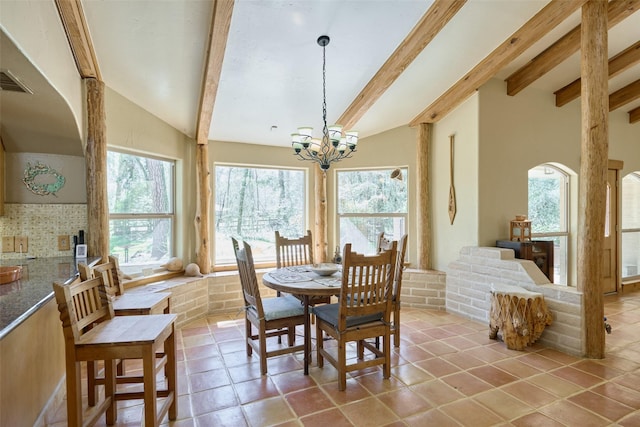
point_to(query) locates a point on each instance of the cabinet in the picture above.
(538, 251)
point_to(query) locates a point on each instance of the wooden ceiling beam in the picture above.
(619, 63)
(569, 44)
(434, 20)
(548, 18)
(634, 115)
(75, 26)
(218, 33)
(623, 96)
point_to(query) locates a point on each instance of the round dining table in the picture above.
(303, 283)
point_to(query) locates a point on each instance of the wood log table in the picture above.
(521, 314)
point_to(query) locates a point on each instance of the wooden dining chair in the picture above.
(272, 317)
(385, 244)
(292, 252)
(93, 333)
(363, 311)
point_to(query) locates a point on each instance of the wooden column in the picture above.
(425, 134)
(96, 157)
(593, 172)
(201, 221)
(320, 232)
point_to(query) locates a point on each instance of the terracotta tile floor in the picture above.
(447, 372)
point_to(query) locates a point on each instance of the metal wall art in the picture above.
(33, 179)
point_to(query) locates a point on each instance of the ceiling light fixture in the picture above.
(334, 145)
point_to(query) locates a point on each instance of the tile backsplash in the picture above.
(42, 224)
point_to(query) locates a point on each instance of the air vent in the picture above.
(11, 83)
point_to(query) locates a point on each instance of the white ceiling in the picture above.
(152, 52)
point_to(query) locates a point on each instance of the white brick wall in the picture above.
(468, 286)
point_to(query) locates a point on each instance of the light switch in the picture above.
(7, 244)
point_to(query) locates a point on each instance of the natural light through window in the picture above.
(251, 203)
(631, 225)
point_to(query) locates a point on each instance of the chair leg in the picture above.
(386, 343)
(110, 391)
(171, 373)
(263, 351)
(319, 345)
(74, 393)
(396, 326)
(342, 365)
(150, 386)
(248, 332)
(91, 383)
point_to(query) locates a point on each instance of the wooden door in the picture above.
(610, 250)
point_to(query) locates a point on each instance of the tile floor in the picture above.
(447, 372)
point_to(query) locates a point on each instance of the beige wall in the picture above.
(134, 130)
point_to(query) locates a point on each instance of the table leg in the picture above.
(307, 335)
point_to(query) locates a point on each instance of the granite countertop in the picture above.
(20, 299)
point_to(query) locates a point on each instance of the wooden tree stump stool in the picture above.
(522, 315)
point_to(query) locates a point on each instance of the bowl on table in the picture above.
(325, 269)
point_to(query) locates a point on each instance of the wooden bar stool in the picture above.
(92, 333)
(123, 305)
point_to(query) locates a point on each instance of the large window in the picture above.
(370, 202)
(251, 203)
(140, 191)
(549, 213)
(631, 226)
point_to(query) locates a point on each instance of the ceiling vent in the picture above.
(11, 83)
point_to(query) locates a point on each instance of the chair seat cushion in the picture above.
(329, 314)
(281, 307)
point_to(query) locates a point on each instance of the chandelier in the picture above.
(334, 144)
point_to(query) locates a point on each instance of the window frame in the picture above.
(340, 215)
(231, 264)
(171, 215)
(623, 231)
(564, 234)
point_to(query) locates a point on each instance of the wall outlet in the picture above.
(63, 243)
(21, 244)
(7, 244)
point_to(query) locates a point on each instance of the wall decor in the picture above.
(452, 190)
(32, 179)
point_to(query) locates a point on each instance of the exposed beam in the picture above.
(434, 20)
(569, 44)
(220, 23)
(634, 115)
(623, 96)
(75, 26)
(548, 18)
(619, 63)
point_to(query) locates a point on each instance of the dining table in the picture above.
(303, 283)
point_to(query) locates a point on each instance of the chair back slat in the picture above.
(113, 280)
(81, 305)
(248, 279)
(291, 252)
(367, 283)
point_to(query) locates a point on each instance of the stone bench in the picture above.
(521, 314)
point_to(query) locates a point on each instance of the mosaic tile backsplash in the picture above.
(42, 224)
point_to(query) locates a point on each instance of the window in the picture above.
(370, 202)
(251, 203)
(631, 226)
(140, 191)
(549, 213)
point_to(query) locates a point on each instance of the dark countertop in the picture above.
(20, 299)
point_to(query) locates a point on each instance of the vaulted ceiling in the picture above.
(255, 74)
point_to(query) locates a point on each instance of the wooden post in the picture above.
(201, 221)
(320, 233)
(425, 134)
(593, 172)
(96, 158)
